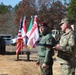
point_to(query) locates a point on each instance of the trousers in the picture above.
(67, 69)
(48, 69)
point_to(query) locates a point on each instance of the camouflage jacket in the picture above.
(67, 46)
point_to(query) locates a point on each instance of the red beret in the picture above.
(42, 24)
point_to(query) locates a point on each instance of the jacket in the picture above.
(43, 51)
(67, 46)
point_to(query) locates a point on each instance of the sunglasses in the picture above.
(61, 23)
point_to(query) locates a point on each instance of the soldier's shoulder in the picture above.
(71, 31)
(49, 35)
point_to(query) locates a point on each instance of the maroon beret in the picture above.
(42, 24)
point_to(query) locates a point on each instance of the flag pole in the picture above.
(17, 57)
(27, 37)
(17, 53)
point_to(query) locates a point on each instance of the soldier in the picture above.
(45, 50)
(66, 48)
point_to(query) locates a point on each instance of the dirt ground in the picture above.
(10, 66)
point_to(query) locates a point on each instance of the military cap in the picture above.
(64, 20)
(42, 24)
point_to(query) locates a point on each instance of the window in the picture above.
(6, 37)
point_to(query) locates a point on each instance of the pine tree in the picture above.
(72, 11)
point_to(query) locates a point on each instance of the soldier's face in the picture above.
(41, 29)
(64, 26)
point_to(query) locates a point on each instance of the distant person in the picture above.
(2, 46)
(66, 49)
(45, 50)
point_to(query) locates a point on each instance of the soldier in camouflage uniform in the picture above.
(66, 49)
(45, 50)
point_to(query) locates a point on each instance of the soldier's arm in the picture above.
(50, 43)
(37, 42)
(48, 50)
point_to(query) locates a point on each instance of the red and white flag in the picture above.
(19, 43)
(21, 36)
(34, 34)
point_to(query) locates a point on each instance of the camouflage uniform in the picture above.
(66, 54)
(45, 54)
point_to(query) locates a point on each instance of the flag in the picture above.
(21, 25)
(21, 36)
(23, 30)
(30, 27)
(33, 35)
(19, 43)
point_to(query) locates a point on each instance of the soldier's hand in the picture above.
(37, 63)
(44, 65)
(57, 47)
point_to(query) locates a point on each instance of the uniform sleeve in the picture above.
(48, 51)
(47, 57)
(49, 41)
(71, 44)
